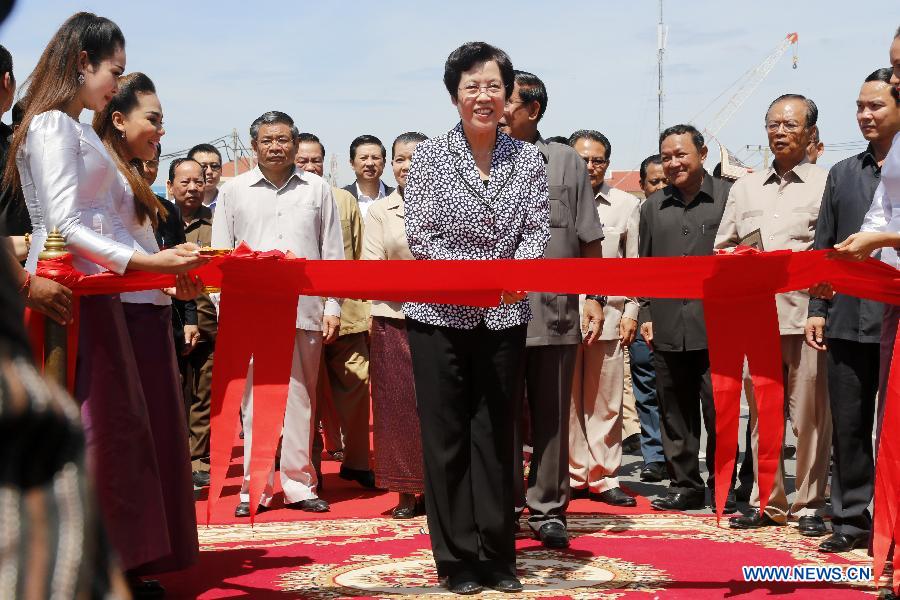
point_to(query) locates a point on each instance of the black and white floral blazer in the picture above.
(451, 215)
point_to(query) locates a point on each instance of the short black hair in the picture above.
(559, 139)
(653, 159)
(532, 89)
(311, 138)
(473, 53)
(812, 111)
(177, 163)
(6, 63)
(405, 138)
(273, 117)
(204, 148)
(885, 76)
(594, 135)
(366, 139)
(897, 35)
(681, 129)
(18, 111)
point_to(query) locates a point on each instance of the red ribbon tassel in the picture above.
(259, 304)
(257, 319)
(886, 526)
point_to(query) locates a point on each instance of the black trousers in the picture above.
(547, 396)
(852, 386)
(684, 391)
(466, 384)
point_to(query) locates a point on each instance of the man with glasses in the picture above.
(276, 206)
(553, 335)
(600, 418)
(596, 150)
(779, 207)
(210, 160)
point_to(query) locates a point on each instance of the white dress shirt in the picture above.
(300, 217)
(884, 214)
(365, 202)
(66, 175)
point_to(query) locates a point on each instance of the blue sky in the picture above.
(346, 68)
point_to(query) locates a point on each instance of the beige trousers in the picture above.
(595, 418)
(630, 423)
(806, 396)
(298, 477)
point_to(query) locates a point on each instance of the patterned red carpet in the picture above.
(357, 550)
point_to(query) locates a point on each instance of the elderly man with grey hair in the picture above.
(276, 206)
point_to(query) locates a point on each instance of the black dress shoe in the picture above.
(653, 472)
(812, 526)
(242, 510)
(553, 535)
(680, 501)
(615, 496)
(201, 478)
(742, 493)
(363, 478)
(754, 520)
(730, 503)
(579, 493)
(145, 589)
(504, 583)
(463, 585)
(841, 542)
(314, 505)
(631, 444)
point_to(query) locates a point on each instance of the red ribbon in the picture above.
(259, 308)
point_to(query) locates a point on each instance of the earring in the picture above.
(80, 79)
(122, 134)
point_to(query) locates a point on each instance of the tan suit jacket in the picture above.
(354, 313)
(386, 240)
(785, 211)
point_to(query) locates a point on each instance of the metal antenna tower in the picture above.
(661, 34)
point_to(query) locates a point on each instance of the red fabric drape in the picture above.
(738, 293)
(886, 525)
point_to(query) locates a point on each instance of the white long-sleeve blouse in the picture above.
(66, 174)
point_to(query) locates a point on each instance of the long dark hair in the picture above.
(54, 81)
(146, 204)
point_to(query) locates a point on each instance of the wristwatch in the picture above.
(601, 299)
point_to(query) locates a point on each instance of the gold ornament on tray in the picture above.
(209, 251)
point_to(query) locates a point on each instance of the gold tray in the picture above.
(207, 251)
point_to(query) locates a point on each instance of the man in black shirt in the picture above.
(681, 220)
(849, 328)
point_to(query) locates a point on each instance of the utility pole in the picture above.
(331, 177)
(660, 55)
(234, 142)
(762, 149)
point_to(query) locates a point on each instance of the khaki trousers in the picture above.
(631, 424)
(298, 477)
(806, 396)
(595, 420)
(345, 388)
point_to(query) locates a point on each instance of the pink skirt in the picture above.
(398, 443)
